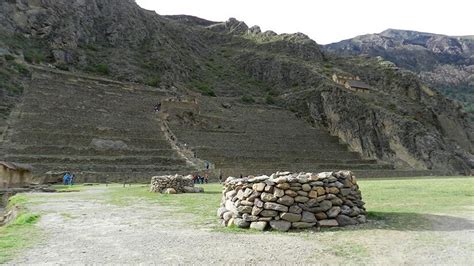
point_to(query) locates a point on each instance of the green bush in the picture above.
(9, 57)
(269, 100)
(247, 99)
(102, 69)
(62, 66)
(21, 69)
(154, 81)
(205, 89)
(33, 56)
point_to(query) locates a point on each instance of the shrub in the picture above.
(154, 81)
(9, 57)
(21, 68)
(247, 99)
(269, 100)
(62, 66)
(205, 89)
(102, 69)
(33, 56)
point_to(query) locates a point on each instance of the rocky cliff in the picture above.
(443, 62)
(400, 121)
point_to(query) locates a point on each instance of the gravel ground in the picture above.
(83, 228)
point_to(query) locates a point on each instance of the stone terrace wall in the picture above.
(285, 200)
(172, 184)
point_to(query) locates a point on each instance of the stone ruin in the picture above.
(173, 184)
(287, 200)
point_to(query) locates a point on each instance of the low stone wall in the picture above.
(172, 184)
(285, 200)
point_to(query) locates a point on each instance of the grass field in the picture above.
(398, 208)
(400, 204)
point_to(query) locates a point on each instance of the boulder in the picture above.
(334, 211)
(280, 225)
(260, 225)
(290, 217)
(170, 191)
(302, 225)
(308, 217)
(259, 187)
(286, 200)
(268, 197)
(295, 209)
(221, 211)
(301, 199)
(275, 207)
(344, 220)
(241, 223)
(328, 223)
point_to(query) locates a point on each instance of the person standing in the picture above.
(66, 178)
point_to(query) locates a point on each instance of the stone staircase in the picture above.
(258, 139)
(102, 130)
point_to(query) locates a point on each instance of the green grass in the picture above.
(66, 188)
(418, 195)
(395, 204)
(202, 205)
(20, 233)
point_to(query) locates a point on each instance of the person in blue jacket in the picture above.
(67, 178)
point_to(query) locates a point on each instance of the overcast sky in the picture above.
(331, 20)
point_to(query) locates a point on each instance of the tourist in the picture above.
(206, 178)
(220, 178)
(66, 178)
(206, 164)
(72, 179)
(195, 177)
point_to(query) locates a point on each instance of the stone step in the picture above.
(302, 167)
(41, 168)
(275, 138)
(226, 152)
(87, 141)
(85, 151)
(321, 159)
(87, 130)
(64, 124)
(80, 135)
(119, 160)
(253, 145)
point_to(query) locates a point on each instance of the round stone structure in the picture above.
(284, 201)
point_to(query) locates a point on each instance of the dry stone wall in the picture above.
(172, 184)
(287, 200)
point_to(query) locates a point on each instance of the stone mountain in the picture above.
(401, 122)
(443, 62)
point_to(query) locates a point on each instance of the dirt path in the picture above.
(84, 228)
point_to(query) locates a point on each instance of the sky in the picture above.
(331, 20)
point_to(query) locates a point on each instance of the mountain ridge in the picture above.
(401, 121)
(444, 62)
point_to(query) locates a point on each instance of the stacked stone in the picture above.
(172, 184)
(287, 200)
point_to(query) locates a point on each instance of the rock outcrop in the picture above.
(444, 62)
(298, 201)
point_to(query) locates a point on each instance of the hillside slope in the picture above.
(400, 122)
(444, 62)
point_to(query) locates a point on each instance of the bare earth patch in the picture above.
(85, 227)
